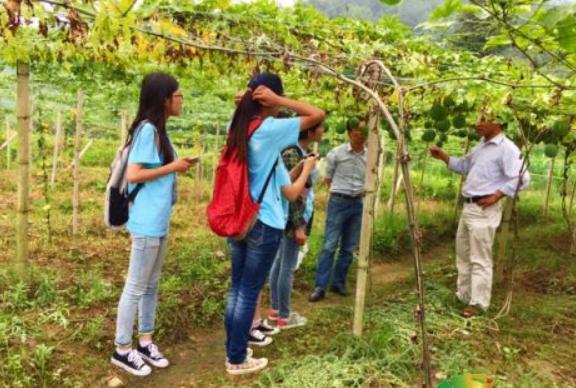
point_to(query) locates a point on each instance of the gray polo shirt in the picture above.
(346, 169)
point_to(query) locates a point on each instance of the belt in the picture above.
(346, 196)
(474, 199)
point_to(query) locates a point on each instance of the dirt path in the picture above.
(199, 362)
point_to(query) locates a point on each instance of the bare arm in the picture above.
(292, 192)
(136, 173)
(309, 115)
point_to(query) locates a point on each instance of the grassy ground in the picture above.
(57, 329)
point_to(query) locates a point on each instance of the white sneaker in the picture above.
(258, 338)
(295, 320)
(153, 356)
(249, 353)
(251, 365)
(131, 363)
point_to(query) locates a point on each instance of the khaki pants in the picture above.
(474, 241)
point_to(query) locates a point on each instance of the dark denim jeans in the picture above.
(343, 224)
(282, 276)
(251, 262)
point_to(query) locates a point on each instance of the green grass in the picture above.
(68, 305)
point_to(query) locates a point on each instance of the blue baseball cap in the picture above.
(271, 81)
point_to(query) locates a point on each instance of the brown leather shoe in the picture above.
(470, 311)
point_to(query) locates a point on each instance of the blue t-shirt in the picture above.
(149, 215)
(264, 149)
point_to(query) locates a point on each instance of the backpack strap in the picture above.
(295, 148)
(132, 195)
(261, 197)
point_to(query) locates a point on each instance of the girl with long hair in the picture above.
(253, 256)
(152, 168)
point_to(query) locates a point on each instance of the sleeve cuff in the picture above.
(452, 163)
(508, 191)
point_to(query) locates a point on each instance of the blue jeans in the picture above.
(251, 262)
(282, 276)
(140, 292)
(343, 223)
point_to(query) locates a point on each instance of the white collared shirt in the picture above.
(347, 169)
(491, 166)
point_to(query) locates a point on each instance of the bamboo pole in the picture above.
(81, 154)
(9, 139)
(502, 239)
(416, 235)
(548, 187)
(23, 117)
(367, 220)
(57, 145)
(76, 170)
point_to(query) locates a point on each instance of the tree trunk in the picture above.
(76, 170)
(367, 221)
(23, 116)
(548, 187)
(502, 240)
(57, 144)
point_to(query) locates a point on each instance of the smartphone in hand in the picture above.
(192, 159)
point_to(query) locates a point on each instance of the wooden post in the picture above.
(367, 220)
(548, 187)
(23, 117)
(57, 144)
(76, 170)
(8, 149)
(502, 239)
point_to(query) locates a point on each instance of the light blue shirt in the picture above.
(149, 215)
(347, 169)
(491, 166)
(264, 148)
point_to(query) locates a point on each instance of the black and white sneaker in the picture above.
(153, 356)
(131, 363)
(258, 338)
(265, 328)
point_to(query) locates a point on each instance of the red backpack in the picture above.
(232, 211)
